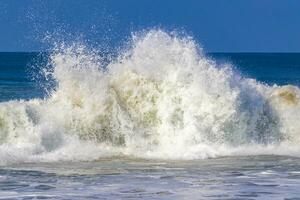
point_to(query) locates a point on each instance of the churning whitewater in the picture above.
(161, 98)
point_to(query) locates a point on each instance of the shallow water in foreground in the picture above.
(250, 177)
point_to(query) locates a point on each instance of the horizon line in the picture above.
(209, 52)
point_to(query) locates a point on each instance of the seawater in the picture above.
(162, 119)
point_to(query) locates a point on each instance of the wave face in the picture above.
(161, 98)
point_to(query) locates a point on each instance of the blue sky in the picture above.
(219, 25)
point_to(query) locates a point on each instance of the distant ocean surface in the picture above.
(271, 68)
(162, 121)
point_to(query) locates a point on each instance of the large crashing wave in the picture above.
(160, 99)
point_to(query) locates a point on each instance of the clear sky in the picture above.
(219, 25)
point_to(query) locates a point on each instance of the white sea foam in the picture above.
(162, 98)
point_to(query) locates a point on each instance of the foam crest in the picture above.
(162, 98)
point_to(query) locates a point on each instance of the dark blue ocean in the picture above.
(19, 70)
(56, 175)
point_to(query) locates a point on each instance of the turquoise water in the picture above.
(53, 171)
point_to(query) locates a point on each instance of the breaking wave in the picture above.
(162, 98)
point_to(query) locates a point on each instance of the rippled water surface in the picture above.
(251, 177)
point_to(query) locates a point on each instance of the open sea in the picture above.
(162, 121)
